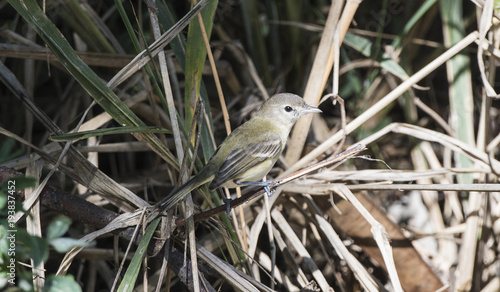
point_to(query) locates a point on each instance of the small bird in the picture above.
(250, 151)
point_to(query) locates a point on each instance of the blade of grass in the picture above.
(178, 45)
(460, 80)
(130, 277)
(364, 46)
(398, 91)
(255, 38)
(102, 94)
(108, 131)
(413, 20)
(316, 82)
(81, 22)
(458, 70)
(196, 54)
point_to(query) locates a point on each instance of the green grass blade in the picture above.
(87, 78)
(364, 46)
(81, 22)
(460, 90)
(413, 20)
(196, 54)
(108, 131)
(134, 267)
(178, 44)
(255, 37)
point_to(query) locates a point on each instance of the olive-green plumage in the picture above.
(250, 151)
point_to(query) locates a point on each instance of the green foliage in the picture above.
(57, 228)
(87, 78)
(8, 150)
(366, 47)
(196, 55)
(17, 245)
(61, 284)
(461, 99)
(130, 277)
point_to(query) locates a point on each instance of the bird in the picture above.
(250, 151)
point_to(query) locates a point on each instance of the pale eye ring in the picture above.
(288, 108)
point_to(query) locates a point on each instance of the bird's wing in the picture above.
(243, 158)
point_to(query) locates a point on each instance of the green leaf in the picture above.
(3, 200)
(364, 46)
(8, 150)
(63, 244)
(461, 90)
(61, 284)
(179, 47)
(108, 131)
(18, 183)
(133, 269)
(196, 54)
(58, 227)
(4, 241)
(31, 246)
(413, 20)
(39, 250)
(81, 21)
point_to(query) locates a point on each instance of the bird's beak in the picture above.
(311, 110)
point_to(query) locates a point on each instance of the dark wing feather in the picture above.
(242, 159)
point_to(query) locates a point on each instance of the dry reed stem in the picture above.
(384, 102)
(316, 82)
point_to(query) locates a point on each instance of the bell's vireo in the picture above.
(250, 151)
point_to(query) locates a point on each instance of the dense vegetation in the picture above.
(151, 87)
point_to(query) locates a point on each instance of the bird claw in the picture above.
(266, 184)
(268, 190)
(227, 202)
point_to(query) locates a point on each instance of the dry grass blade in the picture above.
(237, 279)
(300, 249)
(33, 223)
(427, 187)
(323, 62)
(379, 174)
(145, 56)
(122, 221)
(379, 234)
(434, 136)
(384, 102)
(359, 271)
(165, 230)
(484, 26)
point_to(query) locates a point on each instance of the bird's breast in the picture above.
(254, 174)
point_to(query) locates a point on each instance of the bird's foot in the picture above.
(227, 202)
(266, 184)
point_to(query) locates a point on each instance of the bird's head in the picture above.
(285, 108)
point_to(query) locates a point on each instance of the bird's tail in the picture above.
(178, 194)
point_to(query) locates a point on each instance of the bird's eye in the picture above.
(288, 108)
